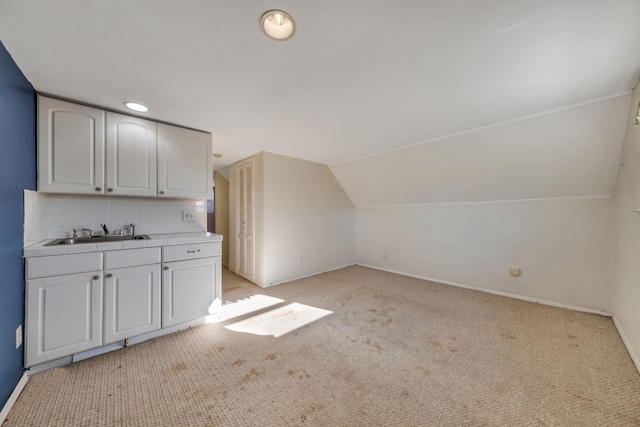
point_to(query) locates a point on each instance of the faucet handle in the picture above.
(75, 234)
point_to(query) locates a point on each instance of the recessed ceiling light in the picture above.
(136, 106)
(278, 25)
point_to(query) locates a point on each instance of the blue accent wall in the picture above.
(17, 173)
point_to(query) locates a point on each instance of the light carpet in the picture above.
(384, 350)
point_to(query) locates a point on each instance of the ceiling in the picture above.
(358, 78)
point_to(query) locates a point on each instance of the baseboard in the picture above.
(627, 344)
(165, 331)
(304, 276)
(14, 397)
(491, 291)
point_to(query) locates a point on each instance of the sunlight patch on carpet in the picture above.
(280, 321)
(233, 309)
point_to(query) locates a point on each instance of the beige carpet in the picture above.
(394, 351)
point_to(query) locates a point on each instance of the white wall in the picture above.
(309, 222)
(305, 223)
(52, 216)
(564, 247)
(534, 194)
(568, 153)
(626, 297)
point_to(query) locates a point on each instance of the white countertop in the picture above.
(39, 249)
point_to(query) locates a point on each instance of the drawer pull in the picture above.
(95, 277)
(109, 275)
(193, 251)
(166, 268)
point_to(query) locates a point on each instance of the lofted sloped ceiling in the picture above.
(359, 77)
(563, 154)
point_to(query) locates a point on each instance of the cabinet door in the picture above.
(131, 302)
(190, 290)
(131, 156)
(70, 148)
(245, 211)
(63, 316)
(184, 163)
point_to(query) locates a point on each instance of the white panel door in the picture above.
(184, 163)
(70, 147)
(245, 208)
(189, 290)
(131, 302)
(131, 156)
(63, 316)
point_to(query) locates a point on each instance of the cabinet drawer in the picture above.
(191, 251)
(131, 257)
(57, 265)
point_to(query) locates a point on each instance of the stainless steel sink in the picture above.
(96, 239)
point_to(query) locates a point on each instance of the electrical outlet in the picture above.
(187, 216)
(18, 336)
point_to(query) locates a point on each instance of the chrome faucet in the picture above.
(90, 231)
(130, 227)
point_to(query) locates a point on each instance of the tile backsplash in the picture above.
(53, 216)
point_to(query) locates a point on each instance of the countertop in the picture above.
(39, 249)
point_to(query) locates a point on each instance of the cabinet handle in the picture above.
(96, 277)
(109, 190)
(161, 192)
(193, 251)
(166, 268)
(109, 275)
(98, 189)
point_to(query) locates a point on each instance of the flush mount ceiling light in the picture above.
(136, 106)
(278, 25)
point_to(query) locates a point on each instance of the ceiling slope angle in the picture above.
(571, 153)
(358, 78)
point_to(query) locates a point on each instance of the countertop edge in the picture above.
(166, 239)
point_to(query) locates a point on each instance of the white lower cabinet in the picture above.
(79, 302)
(188, 290)
(63, 316)
(131, 302)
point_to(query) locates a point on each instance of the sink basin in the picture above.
(97, 239)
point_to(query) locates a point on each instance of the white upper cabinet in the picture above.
(130, 156)
(184, 162)
(70, 147)
(85, 150)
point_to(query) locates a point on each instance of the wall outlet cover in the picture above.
(187, 216)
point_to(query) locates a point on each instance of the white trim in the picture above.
(164, 331)
(305, 276)
(97, 351)
(339, 268)
(14, 397)
(293, 279)
(481, 128)
(485, 202)
(490, 291)
(627, 344)
(63, 361)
